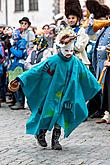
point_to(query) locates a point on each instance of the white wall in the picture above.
(37, 18)
(2, 13)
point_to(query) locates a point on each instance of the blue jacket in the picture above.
(1, 59)
(18, 54)
(99, 56)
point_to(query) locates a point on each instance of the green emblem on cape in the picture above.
(66, 124)
(50, 113)
(59, 94)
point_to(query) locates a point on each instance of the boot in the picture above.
(17, 106)
(11, 104)
(55, 137)
(41, 138)
(97, 114)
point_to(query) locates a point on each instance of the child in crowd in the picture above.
(57, 90)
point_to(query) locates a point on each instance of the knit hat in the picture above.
(73, 7)
(97, 9)
(25, 19)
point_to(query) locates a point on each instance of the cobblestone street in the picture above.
(89, 144)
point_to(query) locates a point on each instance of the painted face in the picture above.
(67, 50)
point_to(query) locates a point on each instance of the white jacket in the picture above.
(80, 45)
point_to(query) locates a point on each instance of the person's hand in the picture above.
(13, 85)
(91, 19)
(107, 63)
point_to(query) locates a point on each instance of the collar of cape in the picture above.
(63, 57)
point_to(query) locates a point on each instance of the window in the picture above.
(56, 7)
(33, 5)
(19, 5)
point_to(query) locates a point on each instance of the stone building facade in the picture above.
(40, 13)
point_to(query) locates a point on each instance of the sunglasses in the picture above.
(24, 23)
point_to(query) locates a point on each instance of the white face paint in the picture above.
(67, 50)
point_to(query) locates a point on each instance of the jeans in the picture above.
(19, 96)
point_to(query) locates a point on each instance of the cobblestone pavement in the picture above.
(89, 144)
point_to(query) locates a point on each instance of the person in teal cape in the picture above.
(57, 90)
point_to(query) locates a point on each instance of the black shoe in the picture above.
(11, 104)
(97, 114)
(9, 101)
(17, 106)
(3, 100)
(55, 145)
(41, 139)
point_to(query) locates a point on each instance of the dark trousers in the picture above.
(19, 96)
(95, 103)
(106, 92)
(3, 85)
(0, 93)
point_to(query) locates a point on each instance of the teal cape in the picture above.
(56, 91)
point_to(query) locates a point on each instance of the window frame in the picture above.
(19, 5)
(33, 5)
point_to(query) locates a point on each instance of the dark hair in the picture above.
(97, 9)
(45, 26)
(73, 7)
